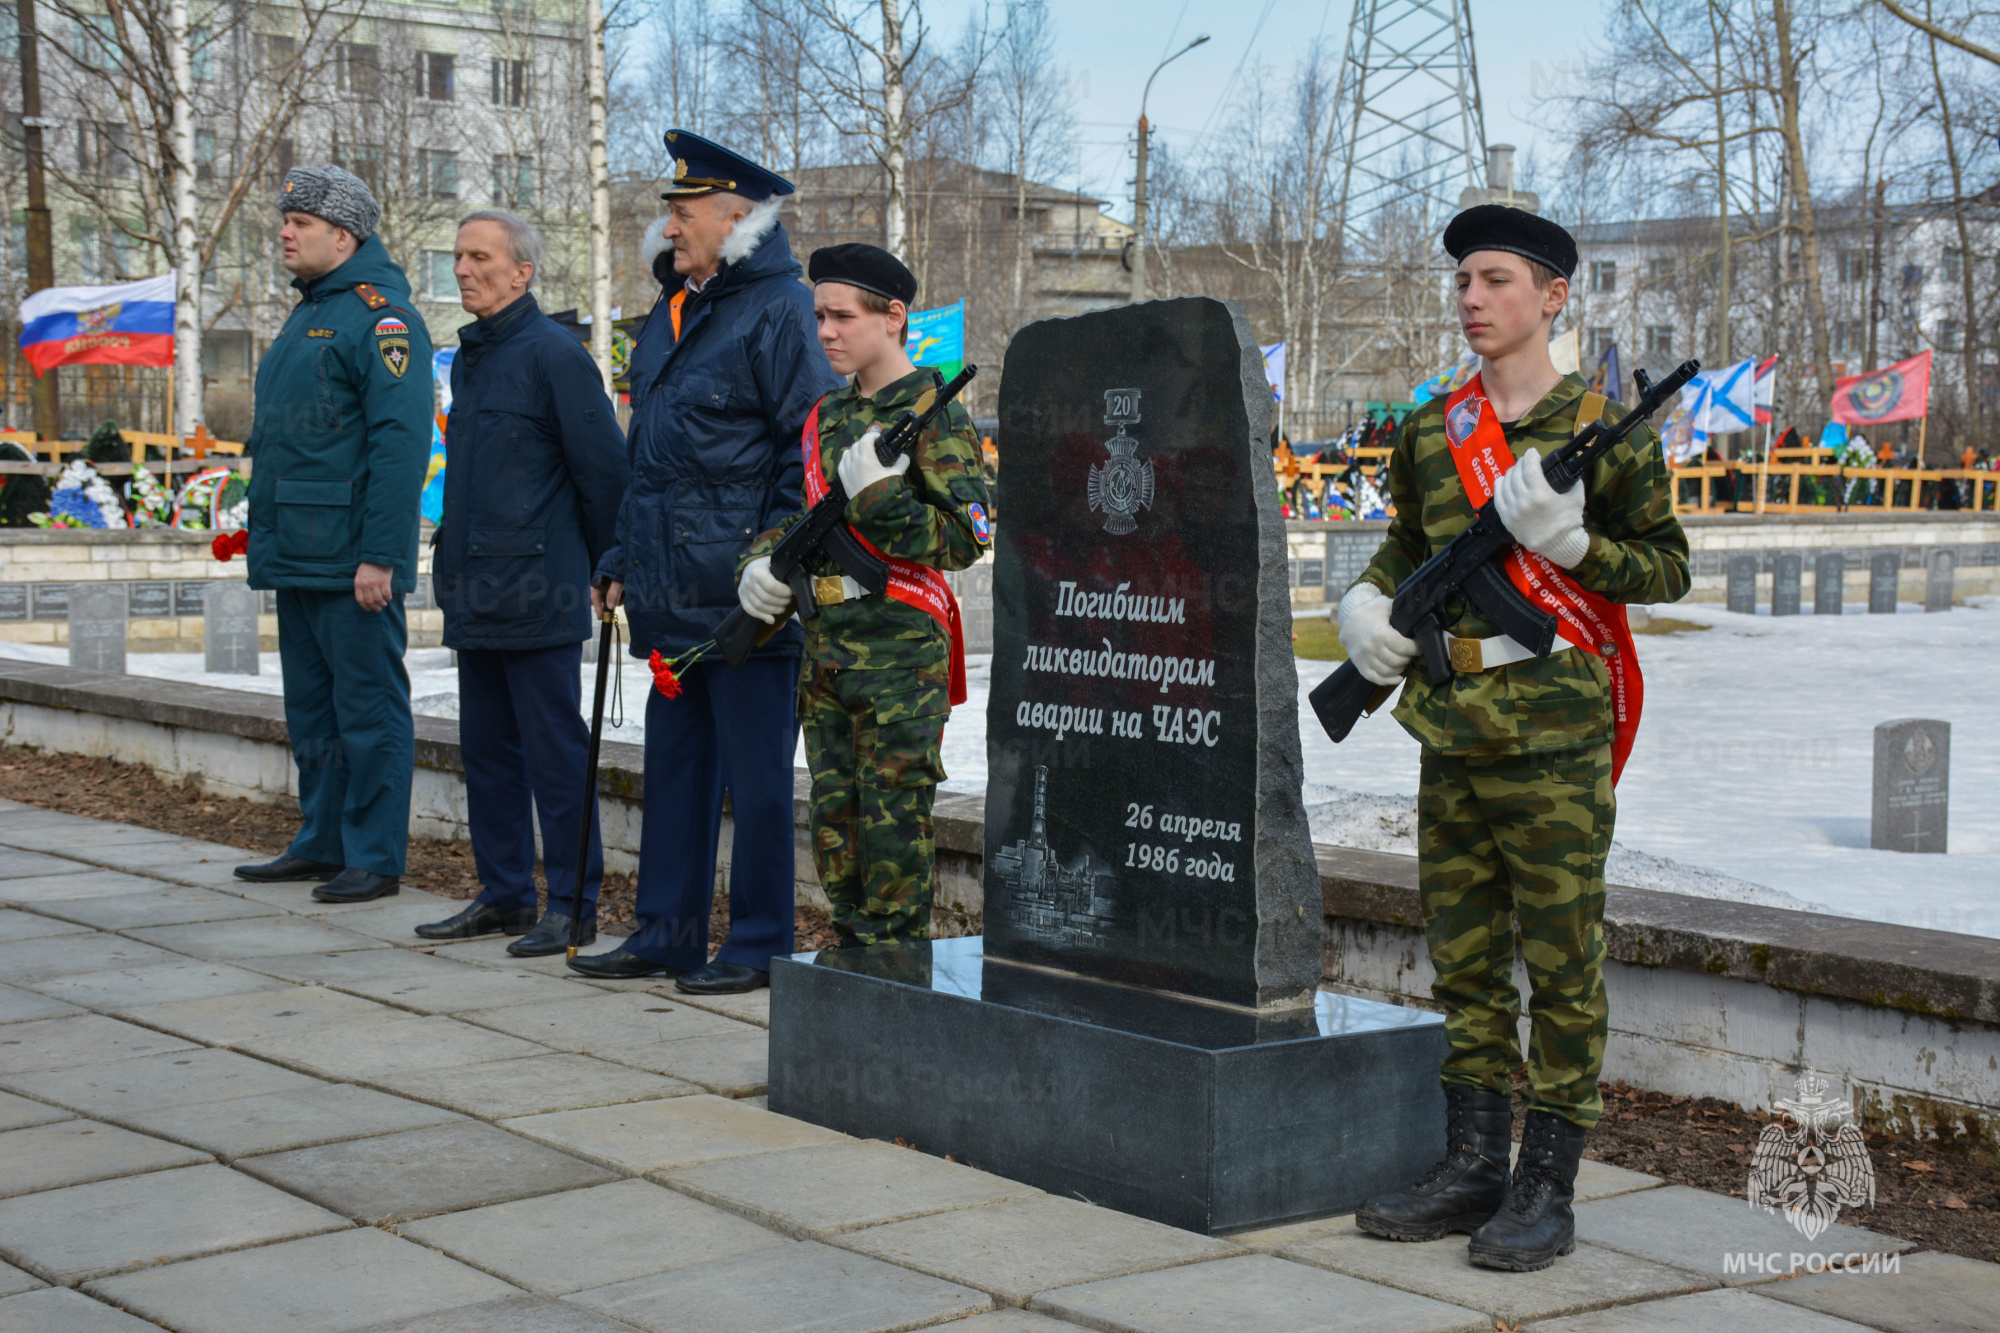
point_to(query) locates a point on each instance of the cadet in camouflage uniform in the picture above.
(1515, 806)
(875, 687)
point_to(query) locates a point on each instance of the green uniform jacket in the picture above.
(1638, 553)
(926, 518)
(342, 436)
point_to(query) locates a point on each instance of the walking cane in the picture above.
(605, 652)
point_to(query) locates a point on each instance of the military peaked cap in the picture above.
(1515, 230)
(869, 267)
(701, 167)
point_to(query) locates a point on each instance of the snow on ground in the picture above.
(1750, 780)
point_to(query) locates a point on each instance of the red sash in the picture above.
(1584, 619)
(909, 582)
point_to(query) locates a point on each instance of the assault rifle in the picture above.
(1468, 568)
(823, 533)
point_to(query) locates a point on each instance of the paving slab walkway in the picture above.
(225, 1108)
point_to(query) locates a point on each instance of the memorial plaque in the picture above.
(187, 597)
(147, 601)
(229, 628)
(1743, 583)
(1940, 567)
(1912, 785)
(1885, 570)
(1788, 573)
(1143, 815)
(13, 601)
(1829, 583)
(267, 601)
(97, 626)
(1347, 557)
(51, 601)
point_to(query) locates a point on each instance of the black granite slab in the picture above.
(1197, 1115)
(1144, 822)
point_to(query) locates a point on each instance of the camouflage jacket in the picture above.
(1638, 553)
(925, 518)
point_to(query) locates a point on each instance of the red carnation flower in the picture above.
(664, 679)
(230, 544)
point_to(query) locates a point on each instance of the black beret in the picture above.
(869, 267)
(1498, 227)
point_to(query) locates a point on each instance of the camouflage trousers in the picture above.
(872, 743)
(1519, 839)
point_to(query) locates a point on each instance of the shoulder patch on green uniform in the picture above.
(982, 531)
(371, 298)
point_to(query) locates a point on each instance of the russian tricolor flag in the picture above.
(131, 324)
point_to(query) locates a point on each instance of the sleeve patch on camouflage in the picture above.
(982, 530)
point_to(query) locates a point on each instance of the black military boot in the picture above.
(1465, 1188)
(1537, 1223)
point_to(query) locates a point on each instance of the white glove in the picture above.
(1373, 645)
(1547, 523)
(760, 592)
(860, 468)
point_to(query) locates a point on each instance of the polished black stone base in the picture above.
(1202, 1117)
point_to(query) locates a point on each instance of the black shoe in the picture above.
(720, 978)
(1464, 1189)
(357, 886)
(1537, 1224)
(617, 965)
(286, 867)
(479, 919)
(551, 935)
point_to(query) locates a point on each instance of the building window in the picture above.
(204, 155)
(437, 173)
(1659, 272)
(513, 180)
(201, 52)
(363, 159)
(1603, 276)
(83, 241)
(434, 76)
(1850, 337)
(102, 148)
(358, 69)
(1853, 267)
(284, 156)
(1950, 332)
(96, 41)
(1601, 337)
(1954, 265)
(279, 52)
(510, 82)
(439, 284)
(1659, 340)
(1795, 264)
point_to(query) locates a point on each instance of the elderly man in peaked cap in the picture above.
(341, 441)
(724, 374)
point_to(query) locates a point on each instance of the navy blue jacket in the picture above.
(534, 473)
(714, 444)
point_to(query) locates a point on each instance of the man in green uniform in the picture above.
(1515, 805)
(341, 442)
(881, 672)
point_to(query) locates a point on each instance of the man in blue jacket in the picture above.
(534, 472)
(341, 440)
(723, 376)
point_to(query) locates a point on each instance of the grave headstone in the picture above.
(187, 596)
(229, 628)
(150, 600)
(1829, 583)
(51, 601)
(1788, 573)
(1152, 908)
(13, 601)
(1347, 557)
(97, 626)
(1912, 785)
(1940, 567)
(1885, 571)
(1743, 582)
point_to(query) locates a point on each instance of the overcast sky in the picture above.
(1110, 46)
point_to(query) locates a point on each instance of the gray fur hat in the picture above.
(341, 197)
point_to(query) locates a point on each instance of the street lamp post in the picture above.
(1139, 182)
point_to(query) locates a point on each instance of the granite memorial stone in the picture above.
(13, 601)
(187, 596)
(1140, 1024)
(1885, 571)
(97, 626)
(51, 601)
(150, 600)
(1788, 573)
(1940, 567)
(229, 628)
(1912, 785)
(1743, 583)
(1829, 583)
